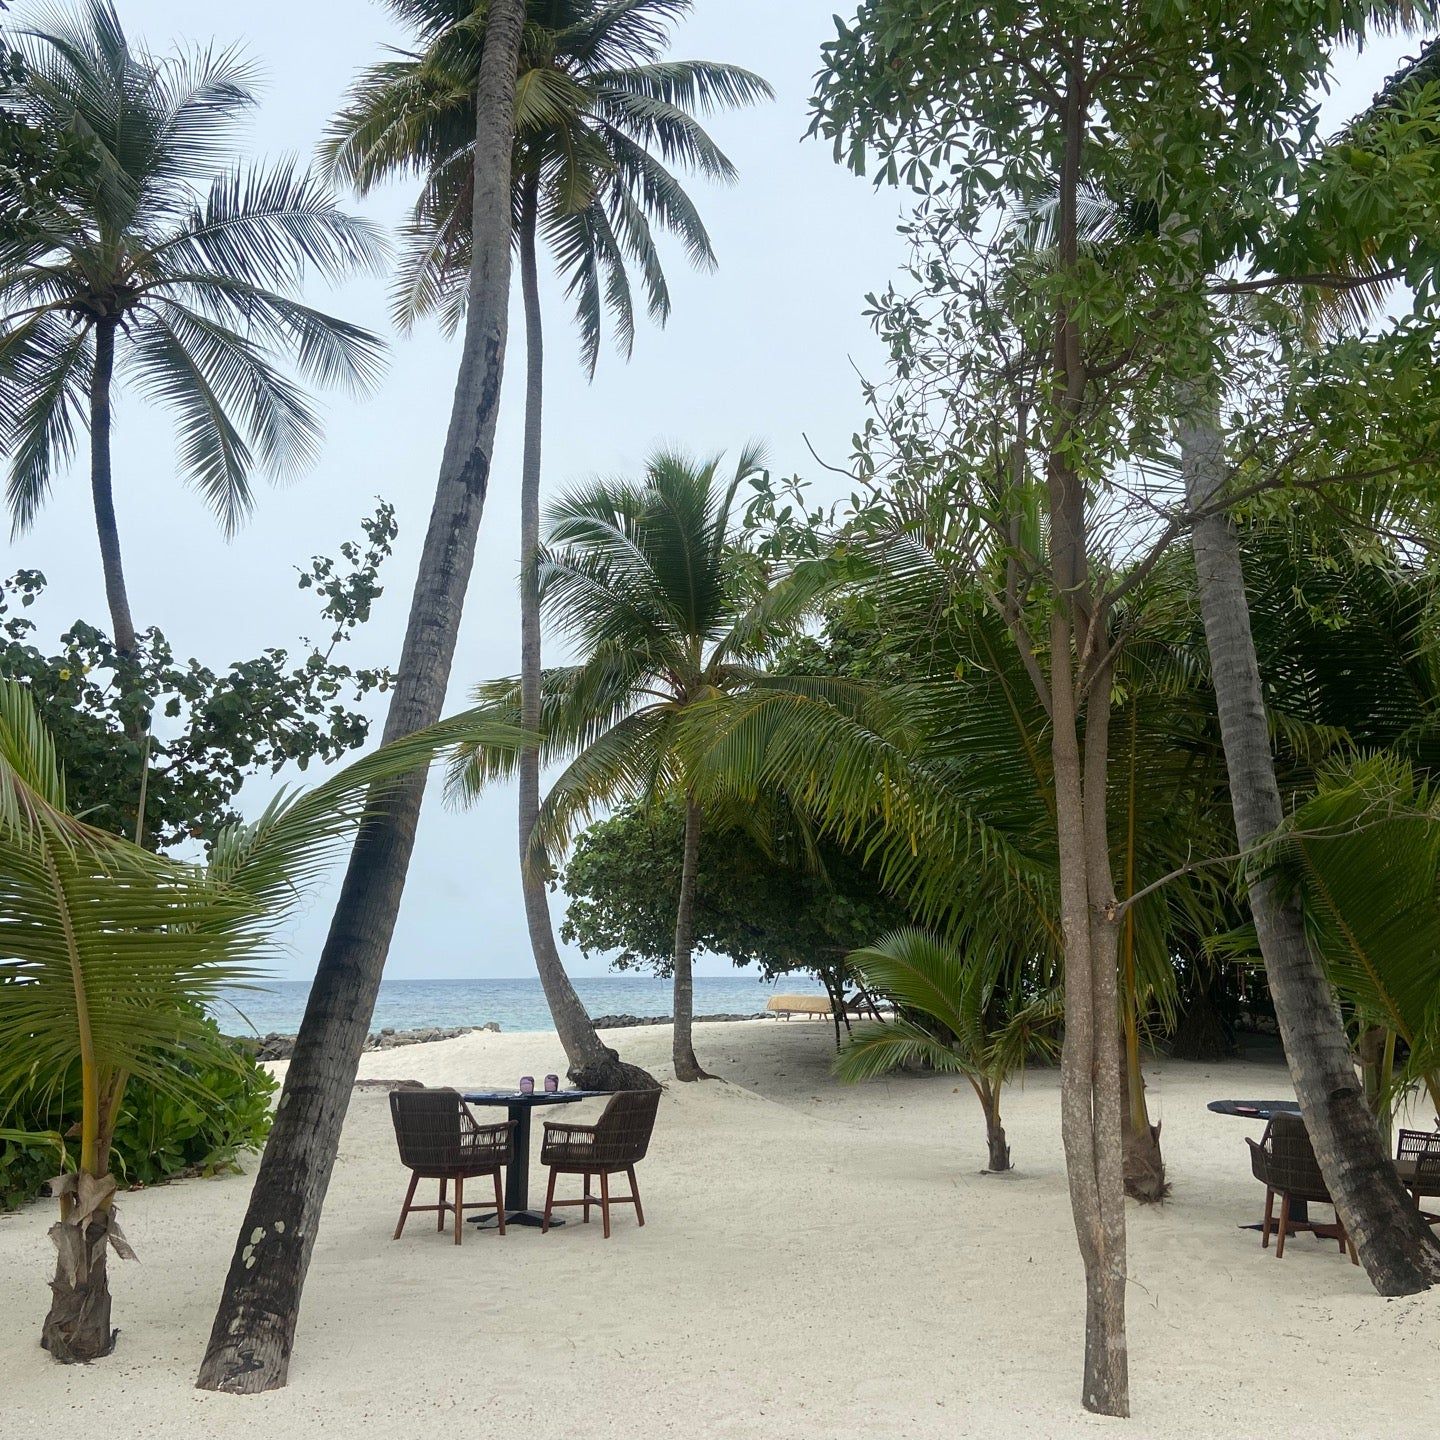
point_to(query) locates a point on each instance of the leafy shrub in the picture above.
(158, 1136)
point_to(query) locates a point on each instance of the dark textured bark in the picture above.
(1397, 1249)
(687, 1067)
(1141, 1159)
(593, 1064)
(77, 1328)
(254, 1327)
(995, 1142)
(101, 490)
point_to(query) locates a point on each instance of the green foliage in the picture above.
(672, 614)
(159, 1134)
(1364, 854)
(759, 903)
(601, 117)
(983, 1020)
(192, 259)
(39, 165)
(209, 729)
(114, 952)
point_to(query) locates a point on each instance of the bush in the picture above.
(157, 1138)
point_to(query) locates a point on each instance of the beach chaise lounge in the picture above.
(1284, 1162)
(441, 1140)
(616, 1142)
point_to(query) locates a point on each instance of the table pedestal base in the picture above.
(515, 1217)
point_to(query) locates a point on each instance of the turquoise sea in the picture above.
(515, 1004)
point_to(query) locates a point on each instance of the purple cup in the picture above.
(552, 1084)
(527, 1084)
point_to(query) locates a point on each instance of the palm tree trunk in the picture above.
(593, 1065)
(250, 1343)
(997, 1146)
(101, 491)
(1142, 1162)
(1395, 1246)
(77, 1328)
(687, 1067)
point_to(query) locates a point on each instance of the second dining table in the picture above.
(517, 1180)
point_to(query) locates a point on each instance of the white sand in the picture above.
(818, 1261)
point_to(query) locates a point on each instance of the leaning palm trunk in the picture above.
(1395, 1246)
(593, 1065)
(254, 1327)
(687, 1067)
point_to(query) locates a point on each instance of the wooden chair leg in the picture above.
(1284, 1225)
(605, 1200)
(440, 1213)
(499, 1204)
(549, 1202)
(585, 1211)
(635, 1195)
(1269, 1223)
(405, 1208)
(459, 1205)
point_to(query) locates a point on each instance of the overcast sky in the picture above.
(768, 347)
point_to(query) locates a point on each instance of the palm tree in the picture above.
(671, 613)
(254, 1329)
(112, 951)
(600, 118)
(170, 265)
(983, 1021)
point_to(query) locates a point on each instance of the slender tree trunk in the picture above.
(101, 490)
(997, 1146)
(1090, 1089)
(1090, 1102)
(1396, 1247)
(254, 1328)
(687, 1067)
(593, 1065)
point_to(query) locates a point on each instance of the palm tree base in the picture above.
(1144, 1165)
(688, 1068)
(77, 1329)
(611, 1074)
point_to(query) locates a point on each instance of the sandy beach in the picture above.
(818, 1261)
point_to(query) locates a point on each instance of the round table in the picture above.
(517, 1180)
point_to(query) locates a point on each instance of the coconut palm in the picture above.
(171, 267)
(670, 613)
(961, 1014)
(600, 119)
(112, 951)
(253, 1334)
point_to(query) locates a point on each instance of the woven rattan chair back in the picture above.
(1290, 1160)
(1421, 1148)
(429, 1128)
(622, 1133)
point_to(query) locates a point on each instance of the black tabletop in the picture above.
(539, 1097)
(1254, 1109)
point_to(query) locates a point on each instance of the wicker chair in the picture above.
(441, 1140)
(1418, 1161)
(617, 1141)
(1284, 1162)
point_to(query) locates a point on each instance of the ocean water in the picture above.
(516, 1004)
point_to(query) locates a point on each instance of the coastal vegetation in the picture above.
(601, 117)
(1108, 690)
